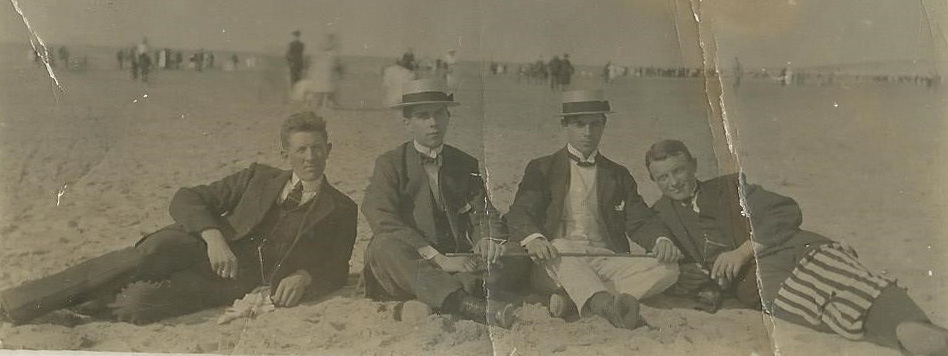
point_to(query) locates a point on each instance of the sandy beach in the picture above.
(90, 168)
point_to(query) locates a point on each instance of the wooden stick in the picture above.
(561, 254)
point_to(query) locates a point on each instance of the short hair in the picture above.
(305, 121)
(568, 119)
(664, 149)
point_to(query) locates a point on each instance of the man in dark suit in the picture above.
(578, 201)
(287, 231)
(294, 58)
(805, 278)
(425, 201)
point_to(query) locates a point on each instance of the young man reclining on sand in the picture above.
(805, 278)
(287, 231)
(578, 201)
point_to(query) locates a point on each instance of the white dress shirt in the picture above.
(310, 189)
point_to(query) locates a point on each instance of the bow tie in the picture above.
(427, 160)
(579, 161)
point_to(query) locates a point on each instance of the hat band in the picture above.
(585, 106)
(426, 96)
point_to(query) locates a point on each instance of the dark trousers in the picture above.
(174, 258)
(395, 271)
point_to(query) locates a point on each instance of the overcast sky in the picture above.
(632, 32)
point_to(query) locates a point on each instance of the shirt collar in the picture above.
(692, 201)
(308, 187)
(575, 152)
(427, 151)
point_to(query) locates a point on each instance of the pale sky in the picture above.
(631, 32)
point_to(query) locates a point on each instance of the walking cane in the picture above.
(561, 254)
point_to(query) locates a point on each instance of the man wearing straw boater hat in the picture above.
(425, 202)
(573, 211)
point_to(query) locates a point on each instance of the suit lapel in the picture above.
(271, 192)
(673, 221)
(322, 207)
(559, 178)
(418, 188)
(605, 187)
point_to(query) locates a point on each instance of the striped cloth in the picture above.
(829, 286)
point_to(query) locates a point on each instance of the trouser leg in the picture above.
(167, 251)
(891, 308)
(68, 287)
(575, 274)
(639, 277)
(185, 289)
(401, 273)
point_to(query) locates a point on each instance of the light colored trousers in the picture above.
(582, 277)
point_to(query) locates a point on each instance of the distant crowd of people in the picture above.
(141, 59)
(55, 57)
(558, 73)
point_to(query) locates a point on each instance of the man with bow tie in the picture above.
(427, 200)
(578, 201)
(285, 233)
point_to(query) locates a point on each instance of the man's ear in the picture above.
(283, 154)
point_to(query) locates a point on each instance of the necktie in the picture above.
(579, 161)
(294, 198)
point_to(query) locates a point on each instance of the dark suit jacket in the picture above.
(774, 219)
(538, 205)
(398, 202)
(236, 204)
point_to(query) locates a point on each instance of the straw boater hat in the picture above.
(580, 102)
(425, 91)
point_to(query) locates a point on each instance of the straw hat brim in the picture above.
(448, 103)
(584, 113)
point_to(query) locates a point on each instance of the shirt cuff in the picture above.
(531, 237)
(660, 238)
(428, 252)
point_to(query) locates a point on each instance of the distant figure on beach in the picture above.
(738, 72)
(394, 78)
(450, 73)
(408, 59)
(580, 202)
(64, 56)
(283, 235)
(294, 58)
(554, 67)
(425, 201)
(748, 240)
(565, 73)
(144, 66)
(320, 86)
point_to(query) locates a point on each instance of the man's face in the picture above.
(675, 176)
(307, 153)
(428, 123)
(585, 131)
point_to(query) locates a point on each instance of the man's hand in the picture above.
(728, 264)
(541, 249)
(691, 277)
(455, 263)
(490, 249)
(223, 261)
(666, 251)
(291, 289)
